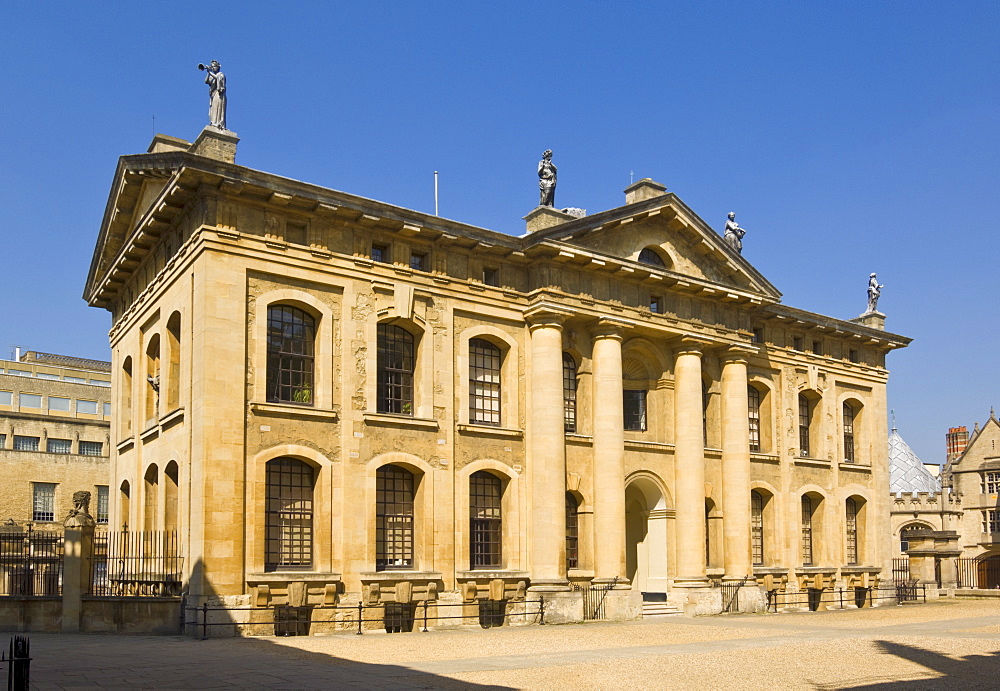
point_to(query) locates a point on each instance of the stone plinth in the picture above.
(543, 217)
(217, 144)
(874, 320)
(562, 606)
(643, 190)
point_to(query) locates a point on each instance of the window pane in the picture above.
(291, 335)
(25, 443)
(288, 513)
(572, 531)
(91, 448)
(88, 407)
(57, 403)
(757, 528)
(44, 502)
(484, 382)
(807, 546)
(102, 504)
(804, 419)
(569, 392)
(58, 445)
(396, 361)
(30, 400)
(107, 409)
(648, 256)
(635, 410)
(753, 404)
(852, 532)
(6, 398)
(485, 513)
(848, 433)
(393, 518)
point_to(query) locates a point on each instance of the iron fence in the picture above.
(968, 573)
(731, 595)
(31, 562)
(593, 599)
(290, 620)
(18, 661)
(142, 563)
(900, 570)
(815, 598)
(911, 591)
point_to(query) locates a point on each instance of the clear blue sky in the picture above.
(848, 137)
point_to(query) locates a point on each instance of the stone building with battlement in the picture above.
(355, 400)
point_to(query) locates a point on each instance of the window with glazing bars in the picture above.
(648, 256)
(848, 432)
(991, 483)
(991, 521)
(485, 493)
(91, 448)
(572, 531)
(634, 410)
(102, 503)
(851, 524)
(288, 515)
(393, 518)
(291, 336)
(804, 419)
(44, 502)
(807, 531)
(753, 412)
(757, 528)
(396, 358)
(58, 445)
(569, 392)
(25, 443)
(484, 383)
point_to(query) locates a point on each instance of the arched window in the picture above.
(757, 528)
(807, 530)
(485, 495)
(393, 518)
(288, 515)
(848, 432)
(805, 418)
(569, 392)
(649, 256)
(851, 525)
(396, 358)
(572, 531)
(753, 412)
(904, 535)
(291, 336)
(484, 382)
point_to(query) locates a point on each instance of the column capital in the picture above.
(608, 327)
(546, 315)
(736, 352)
(689, 344)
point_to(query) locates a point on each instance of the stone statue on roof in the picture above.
(216, 81)
(874, 291)
(546, 180)
(734, 234)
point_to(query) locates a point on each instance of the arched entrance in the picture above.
(646, 536)
(988, 571)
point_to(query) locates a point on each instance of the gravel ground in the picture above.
(939, 645)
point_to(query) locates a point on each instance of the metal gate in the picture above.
(593, 599)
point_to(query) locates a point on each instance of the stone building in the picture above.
(55, 414)
(359, 400)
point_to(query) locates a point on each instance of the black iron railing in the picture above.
(31, 562)
(819, 598)
(136, 564)
(18, 661)
(288, 620)
(593, 598)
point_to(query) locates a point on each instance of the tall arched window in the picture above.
(807, 530)
(288, 515)
(648, 256)
(396, 358)
(753, 412)
(848, 432)
(805, 418)
(757, 528)
(484, 382)
(572, 531)
(851, 525)
(486, 528)
(291, 336)
(393, 518)
(569, 392)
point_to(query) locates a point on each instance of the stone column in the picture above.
(609, 454)
(547, 468)
(689, 464)
(736, 465)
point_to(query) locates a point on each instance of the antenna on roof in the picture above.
(631, 176)
(154, 125)
(436, 193)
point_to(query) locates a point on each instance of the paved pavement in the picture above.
(939, 645)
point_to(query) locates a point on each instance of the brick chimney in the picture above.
(956, 440)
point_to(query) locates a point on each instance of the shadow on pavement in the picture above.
(969, 672)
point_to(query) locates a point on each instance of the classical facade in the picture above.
(353, 399)
(55, 414)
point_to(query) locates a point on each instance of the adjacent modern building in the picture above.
(338, 398)
(55, 414)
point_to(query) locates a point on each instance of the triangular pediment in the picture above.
(682, 241)
(984, 446)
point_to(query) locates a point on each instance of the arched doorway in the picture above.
(988, 570)
(646, 536)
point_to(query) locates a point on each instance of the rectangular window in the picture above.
(87, 407)
(852, 355)
(46, 375)
(44, 502)
(296, 234)
(757, 528)
(101, 382)
(19, 372)
(58, 445)
(380, 253)
(852, 533)
(6, 398)
(58, 403)
(753, 411)
(991, 521)
(797, 343)
(569, 393)
(102, 504)
(655, 304)
(91, 448)
(107, 410)
(30, 400)
(818, 347)
(485, 491)
(807, 531)
(635, 410)
(484, 383)
(758, 334)
(418, 261)
(491, 277)
(25, 443)
(3, 441)
(991, 483)
(78, 380)
(394, 518)
(803, 426)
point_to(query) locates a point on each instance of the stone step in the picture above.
(659, 609)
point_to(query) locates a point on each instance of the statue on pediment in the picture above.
(546, 180)
(216, 81)
(874, 291)
(734, 234)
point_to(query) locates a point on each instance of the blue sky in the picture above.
(849, 137)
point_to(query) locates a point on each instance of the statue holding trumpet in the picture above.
(216, 81)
